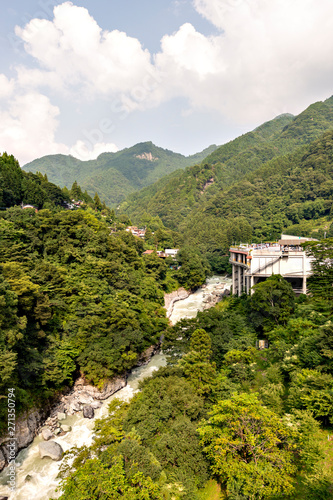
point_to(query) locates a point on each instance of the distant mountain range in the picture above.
(115, 175)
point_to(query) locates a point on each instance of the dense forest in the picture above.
(224, 419)
(276, 178)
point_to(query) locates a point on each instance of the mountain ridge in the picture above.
(174, 197)
(115, 175)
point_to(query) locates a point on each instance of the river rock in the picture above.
(61, 416)
(57, 431)
(171, 298)
(65, 428)
(88, 412)
(50, 449)
(47, 434)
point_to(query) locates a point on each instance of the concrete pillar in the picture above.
(251, 284)
(239, 276)
(304, 284)
(233, 278)
(304, 275)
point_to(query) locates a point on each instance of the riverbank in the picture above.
(205, 297)
(171, 298)
(36, 477)
(80, 396)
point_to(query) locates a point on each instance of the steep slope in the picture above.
(287, 191)
(174, 198)
(115, 175)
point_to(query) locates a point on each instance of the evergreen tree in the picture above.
(97, 203)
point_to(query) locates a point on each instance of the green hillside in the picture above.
(18, 187)
(292, 193)
(173, 198)
(115, 175)
(279, 176)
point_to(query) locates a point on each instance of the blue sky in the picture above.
(86, 76)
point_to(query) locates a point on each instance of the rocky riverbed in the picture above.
(47, 421)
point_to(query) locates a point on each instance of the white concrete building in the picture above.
(254, 263)
(171, 252)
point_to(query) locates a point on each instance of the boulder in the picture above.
(65, 428)
(57, 431)
(50, 449)
(88, 412)
(61, 416)
(46, 434)
(28, 478)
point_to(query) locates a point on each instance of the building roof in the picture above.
(294, 240)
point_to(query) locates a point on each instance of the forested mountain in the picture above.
(222, 419)
(115, 175)
(18, 187)
(252, 188)
(172, 199)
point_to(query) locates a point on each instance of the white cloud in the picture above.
(6, 87)
(85, 150)
(27, 127)
(269, 57)
(74, 49)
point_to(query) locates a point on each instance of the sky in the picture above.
(84, 77)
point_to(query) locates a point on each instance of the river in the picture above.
(43, 472)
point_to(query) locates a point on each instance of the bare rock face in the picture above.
(2, 460)
(26, 428)
(47, 434)
(88, 412)
(171, 298)
(50, 449)
(146, 356)
(84, 398)
(109, 388)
